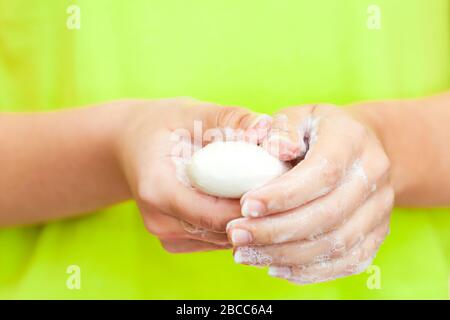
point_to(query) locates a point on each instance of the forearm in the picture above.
(58, 164)
(416, 137)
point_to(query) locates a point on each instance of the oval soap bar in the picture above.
(230, 169)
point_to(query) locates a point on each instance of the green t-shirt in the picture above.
(263, 54)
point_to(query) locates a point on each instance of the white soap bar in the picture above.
(230, 169)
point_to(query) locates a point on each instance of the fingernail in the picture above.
(253, 208)
(239, 257)
(280, 272)
(240, 237)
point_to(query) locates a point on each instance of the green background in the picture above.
(262, 54)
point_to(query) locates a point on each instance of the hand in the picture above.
(152, 155)
(327, 216)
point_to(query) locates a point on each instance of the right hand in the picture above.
(328, 215)
(184, 219)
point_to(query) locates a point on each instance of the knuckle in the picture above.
(387, 201)
(363, 254)
(384, 163)
(170, 247)
(212, 224)
(338, 245)
(351, 269)
(176, 206)
(335, 216)
(354, 268)
(357, 129)
(150, 223)
(331, 173)
(390, 197)
(146, 197)
(360, 130)
(158, 229)
(153, 228)
(355, 256)
(271, 235)
(206, 222)
(360, 259)
(232, 116)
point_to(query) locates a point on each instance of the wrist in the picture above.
(133, 121)
(114, 119)
(386, 120)
(373, 116)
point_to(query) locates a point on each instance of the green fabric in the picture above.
(263, 54)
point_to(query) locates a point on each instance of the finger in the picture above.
(167, 227)
(186, 246)
(284, 141)
(198, 233)
(252, 135)
(325, 247)
(174, 198)
(289, 136)
(215, 122)
(354, 262)
(321, 215)
(226, 123)
(173, 193)
(339, 143)
(236, 118)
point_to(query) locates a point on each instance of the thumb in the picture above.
(286, 139)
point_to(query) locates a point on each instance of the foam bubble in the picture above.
(251, 255)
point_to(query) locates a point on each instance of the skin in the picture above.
(324, 219)
(327, 217)
(68, 162)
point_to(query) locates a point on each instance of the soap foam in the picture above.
(252, 256)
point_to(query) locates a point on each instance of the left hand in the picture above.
(155, 141)
(327, 216)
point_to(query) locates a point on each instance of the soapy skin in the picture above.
(230, 169)
(327, 216)
(323, 219)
